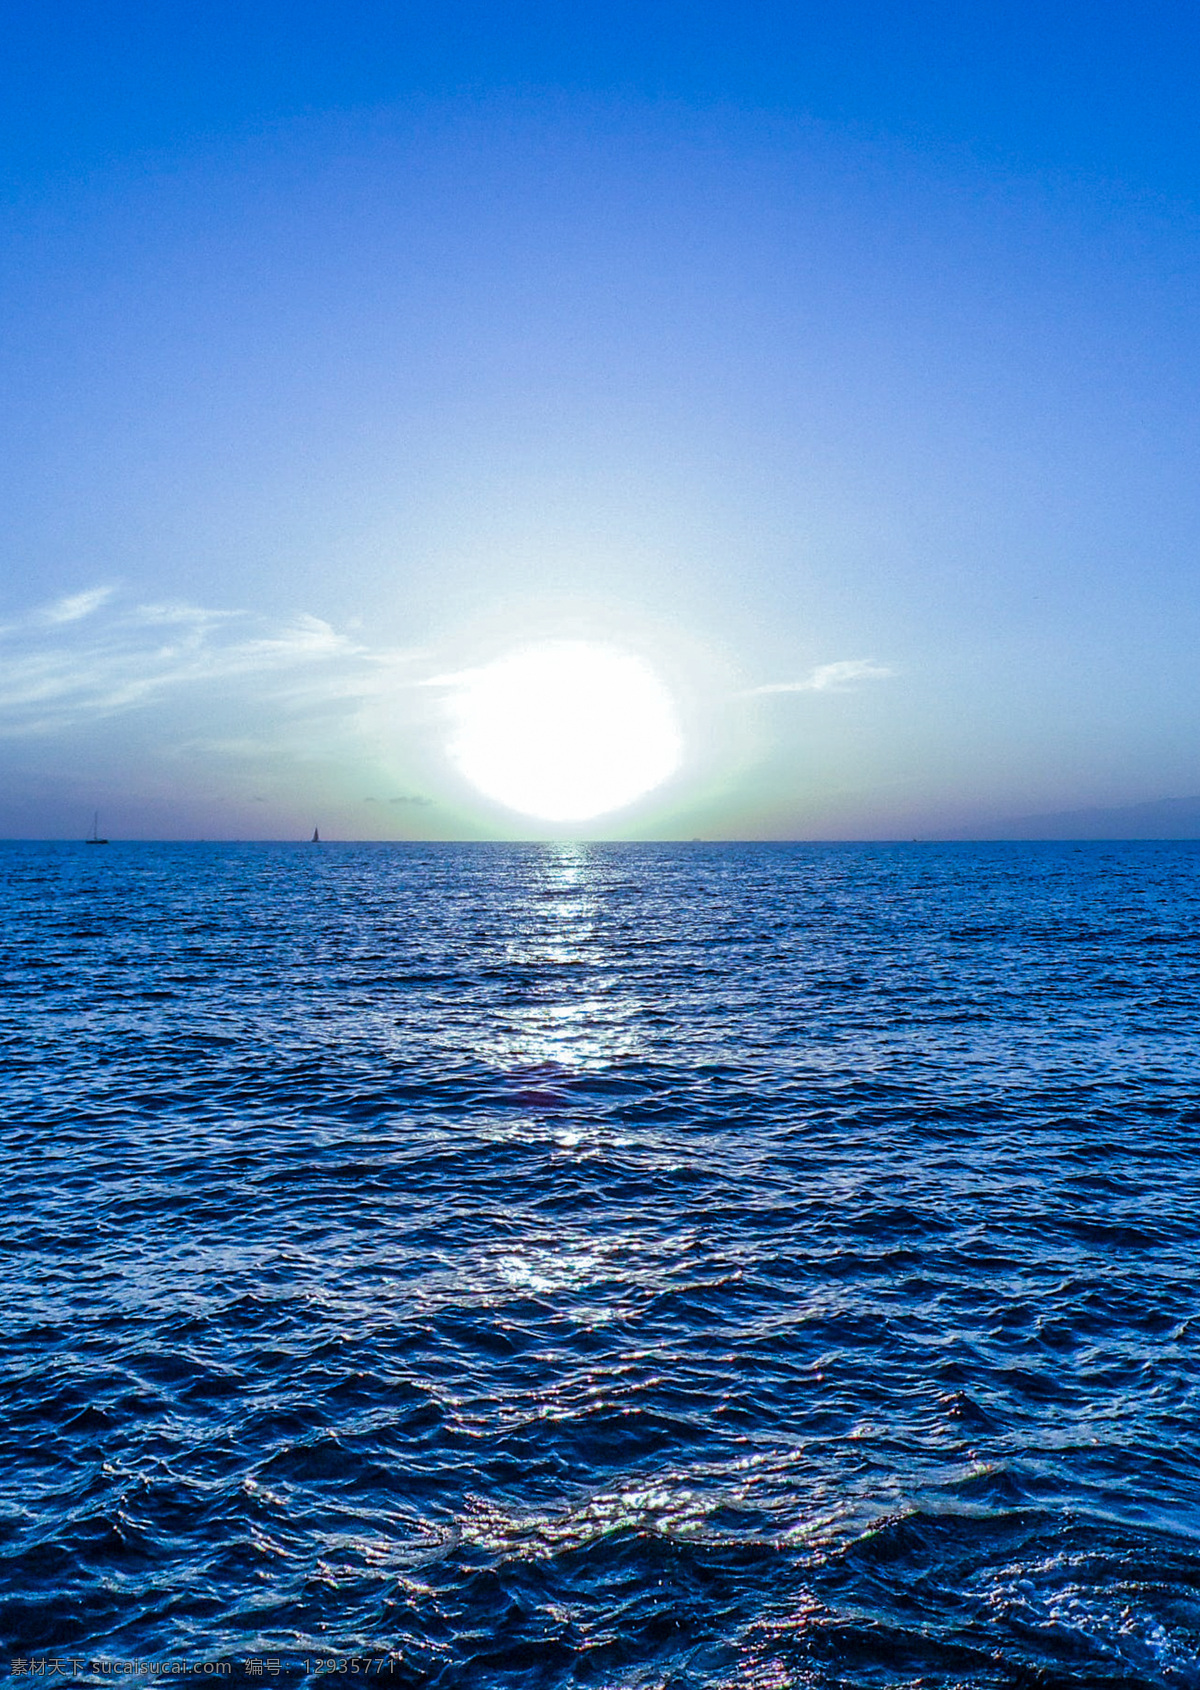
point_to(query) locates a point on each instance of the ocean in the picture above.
(616, 1265)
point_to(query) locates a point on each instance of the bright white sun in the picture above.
(565, 731)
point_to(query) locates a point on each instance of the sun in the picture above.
(565, 731)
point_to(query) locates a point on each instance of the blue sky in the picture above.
(842, 364)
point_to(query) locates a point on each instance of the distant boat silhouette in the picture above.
(316, 838)
(95, 839)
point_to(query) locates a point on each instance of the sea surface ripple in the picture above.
(640, 1266)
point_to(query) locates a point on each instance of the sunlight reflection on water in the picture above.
(567, 1027)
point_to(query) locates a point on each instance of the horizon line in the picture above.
(814, 839)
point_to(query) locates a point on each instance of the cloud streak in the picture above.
(843, 676)
(80, 659)
(73, 607)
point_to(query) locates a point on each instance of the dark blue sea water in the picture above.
(626, 1266)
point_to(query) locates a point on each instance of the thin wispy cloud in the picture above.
(179, 612)
(83, 658)
(843, 676)
(73, 607)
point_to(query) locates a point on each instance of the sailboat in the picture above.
(316, 838)
(95, 839)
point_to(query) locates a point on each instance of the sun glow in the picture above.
(565, 731)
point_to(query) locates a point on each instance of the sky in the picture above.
(839, 364)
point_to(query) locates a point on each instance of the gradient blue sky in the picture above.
(840, 361)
